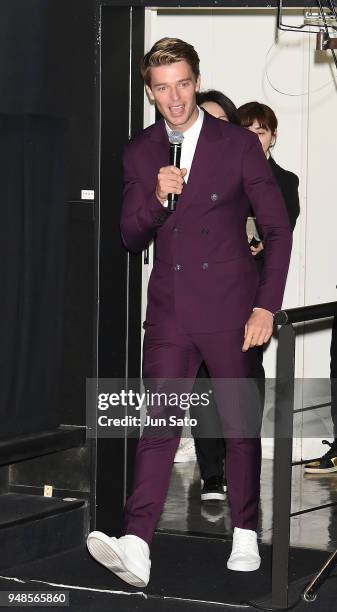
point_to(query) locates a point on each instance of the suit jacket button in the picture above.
(214, 197)
(175, 230)
(178, 267)
(160, 219)
(205, 265)
(205, 230)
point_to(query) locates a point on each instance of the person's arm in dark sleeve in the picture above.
(272, 217)
(142, 213)
(292, 199)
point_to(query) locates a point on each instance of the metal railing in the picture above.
(285, 384)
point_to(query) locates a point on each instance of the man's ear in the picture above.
(273, 142)
(149, 93)
(197, 85)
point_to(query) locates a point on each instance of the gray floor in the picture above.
(184, 511)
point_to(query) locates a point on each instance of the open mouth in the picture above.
(177, 111)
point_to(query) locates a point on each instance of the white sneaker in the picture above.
(127, 557)
(185, 451)
(245, 553)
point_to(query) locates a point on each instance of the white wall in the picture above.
(243, 55)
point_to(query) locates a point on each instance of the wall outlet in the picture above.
(87, 194)
(48, 491)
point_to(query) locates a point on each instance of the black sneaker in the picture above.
(326, 464)
(214, 488)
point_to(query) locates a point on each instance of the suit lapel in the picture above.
(202, 163)
(159, 145)
(202, 167)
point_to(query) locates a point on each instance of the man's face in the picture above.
(173, 88)
(266, 136)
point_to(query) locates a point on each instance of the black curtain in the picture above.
(34, 46)
(32, 264)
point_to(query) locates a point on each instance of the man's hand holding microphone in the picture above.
(169, 180)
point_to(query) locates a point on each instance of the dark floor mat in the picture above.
(182, 567)
(326, 596)
(96, 601)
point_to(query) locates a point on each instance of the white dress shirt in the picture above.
(190, 142)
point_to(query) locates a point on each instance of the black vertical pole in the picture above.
(113, 259)
(120, 109)
(283, 465)
(134, 262)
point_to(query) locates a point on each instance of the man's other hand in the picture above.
(257, 249)
(258, 328)
(169, 180)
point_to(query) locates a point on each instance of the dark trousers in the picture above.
(171, 355)
(211, 449)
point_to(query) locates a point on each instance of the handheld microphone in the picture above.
(176, 139)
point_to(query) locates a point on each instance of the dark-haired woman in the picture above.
(218, 105)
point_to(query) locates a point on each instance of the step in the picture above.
(33, 527)
(28, 446)
(188, 573)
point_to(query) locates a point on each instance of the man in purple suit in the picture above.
(206, 301)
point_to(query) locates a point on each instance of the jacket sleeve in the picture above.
(271, 215)
(142, 213)
(290, 194)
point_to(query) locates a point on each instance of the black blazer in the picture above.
(288, 183)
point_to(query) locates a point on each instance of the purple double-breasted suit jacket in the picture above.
(204, 277)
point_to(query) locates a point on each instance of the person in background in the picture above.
(327, 464)
(261, 119)
(218, 105)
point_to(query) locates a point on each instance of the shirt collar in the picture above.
(192, 132)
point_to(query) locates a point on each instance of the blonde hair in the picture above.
(168, 51)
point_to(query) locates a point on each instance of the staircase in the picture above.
(33, 525)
